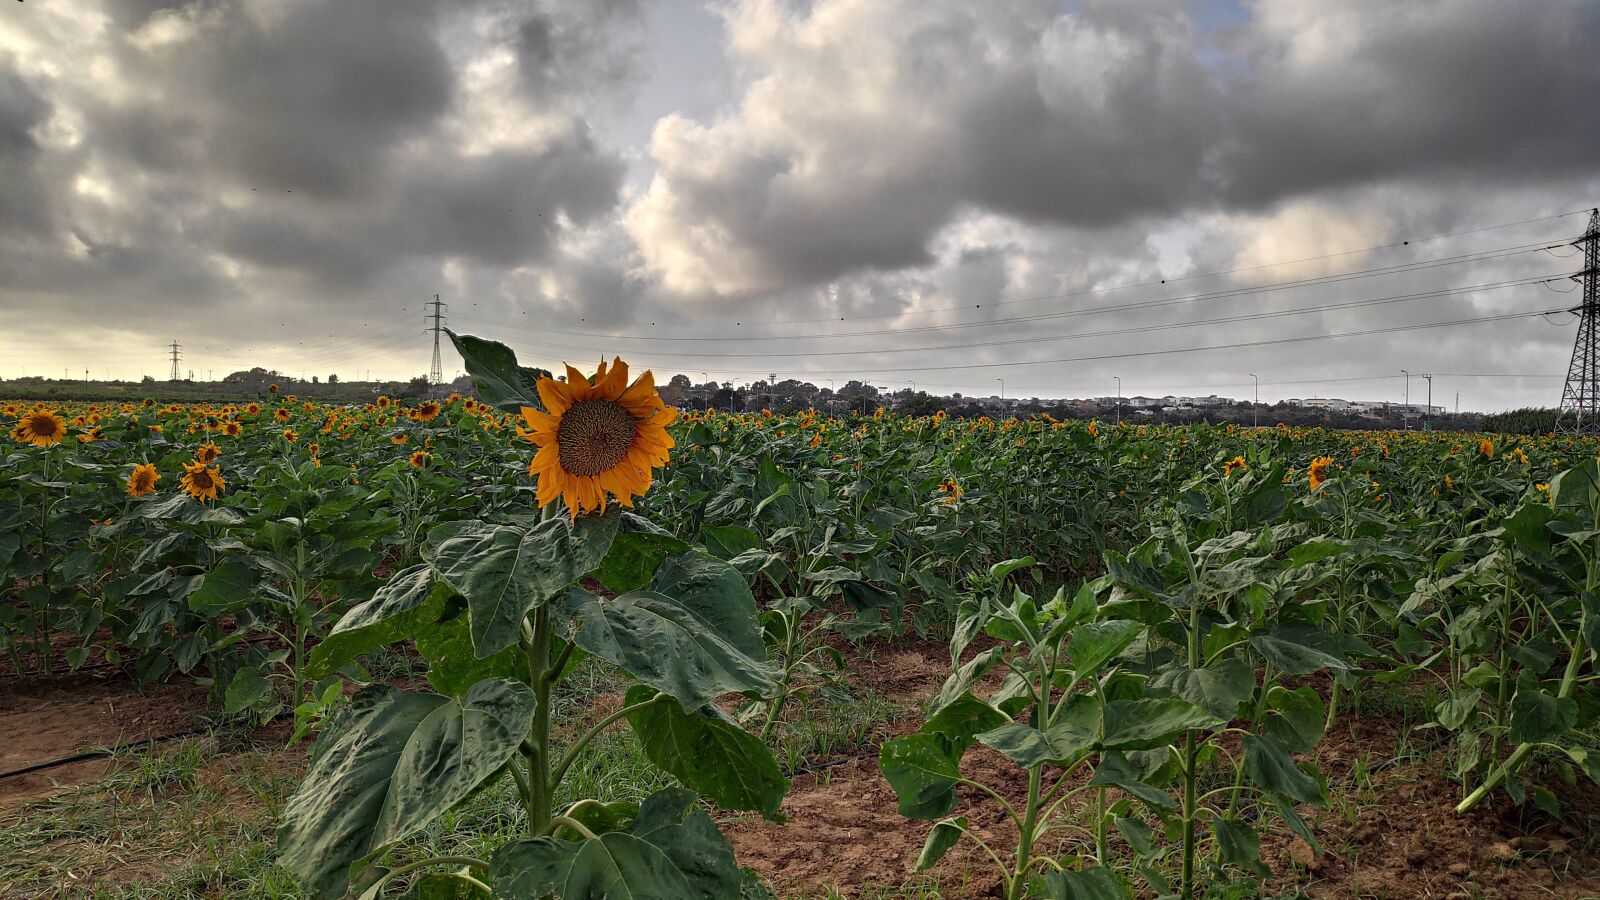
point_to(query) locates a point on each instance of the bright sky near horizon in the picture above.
(939, 192)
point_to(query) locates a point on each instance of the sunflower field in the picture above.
(1143, 634)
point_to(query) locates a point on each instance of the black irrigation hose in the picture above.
(102, 751)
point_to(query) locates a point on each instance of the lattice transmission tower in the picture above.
(436, 315)
(1580, 399)
(177, 354)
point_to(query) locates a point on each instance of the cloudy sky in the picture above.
(1056, 193)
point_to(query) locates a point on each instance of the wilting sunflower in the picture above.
(41, 428)
(597, 438)
(419, 459)
(1319, 471)
(1486, 448)
(208, 453)
(426, 412)
(143, 480)
(202, 483)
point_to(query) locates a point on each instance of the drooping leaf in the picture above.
(715, 592)
(708, 752)
(397, 611)
(664, 644)
(1296, 717)
(1237, 844)
(504, 571)
(1073, 731)
(1269, 766)
(922, 770)
(389, 763)
(944, 835)
(636, 554)
(1095, 883)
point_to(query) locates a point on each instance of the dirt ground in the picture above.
(1394, 835)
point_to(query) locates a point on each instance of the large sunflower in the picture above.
(143, 480)
(200, 482)
(597, 438)
(41, 428)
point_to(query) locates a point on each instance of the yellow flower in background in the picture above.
(1237, 464)
(597, 439)
(142, 480)
(232, 429)
(419, 459)
(398, 439)
(41, 428)
(208, 453)
(1486, 447)
(290, 435)
(202, 483)
(1094, 428)
(427, 412)
(1319, 471)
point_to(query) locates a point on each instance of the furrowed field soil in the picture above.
(195, 817)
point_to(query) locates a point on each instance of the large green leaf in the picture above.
(504, 571)
(500, 381)
(922, 769)
(397, 611)
(1218, 688)
(229, 586)
(1295, 717)
(715, 592)
(1147, 723)
(1238, 844)
(636, 554)
(1301, 650)
(1092, 644)
(708, 752)
(388, 764)
(664, 644)
(1270, 767)
(1096, 883)
(1072, 732)
(672, 852)
(453, 666)
(1538, 715)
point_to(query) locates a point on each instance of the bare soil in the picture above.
(43, 718)
(1391, 834)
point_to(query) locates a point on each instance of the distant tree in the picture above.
(333, 379)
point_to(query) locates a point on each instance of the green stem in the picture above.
(536, 645)
(571, 756)
(1191, 752)
(1030, 821)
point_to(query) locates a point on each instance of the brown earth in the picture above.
(1392, 832)
(44, 718)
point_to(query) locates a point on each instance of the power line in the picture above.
(1228, 293)
(1140, 329)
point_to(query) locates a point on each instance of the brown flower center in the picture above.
(201, 480)
(594, 436)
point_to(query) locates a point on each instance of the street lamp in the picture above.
(1255, 405)
(1002, 387)
(1119, 398)
(1429, 411)
(1405, 412)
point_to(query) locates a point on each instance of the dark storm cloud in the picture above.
(871, 127)
(585, 47)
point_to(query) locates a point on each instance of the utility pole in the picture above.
(1580, 398)
(436, 371)
(1405, 411)
(1002, 387)
(1119, 398)
(1255, 405)
(176, 355)
(1430, 403)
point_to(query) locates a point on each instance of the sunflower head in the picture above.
(208, 453)
(1237, 464)
(419, 459)
(597, 438)
(427, 411)
(142, 480)
(201, 482)
(232, 429)
(1319, 471)
(41, 428)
